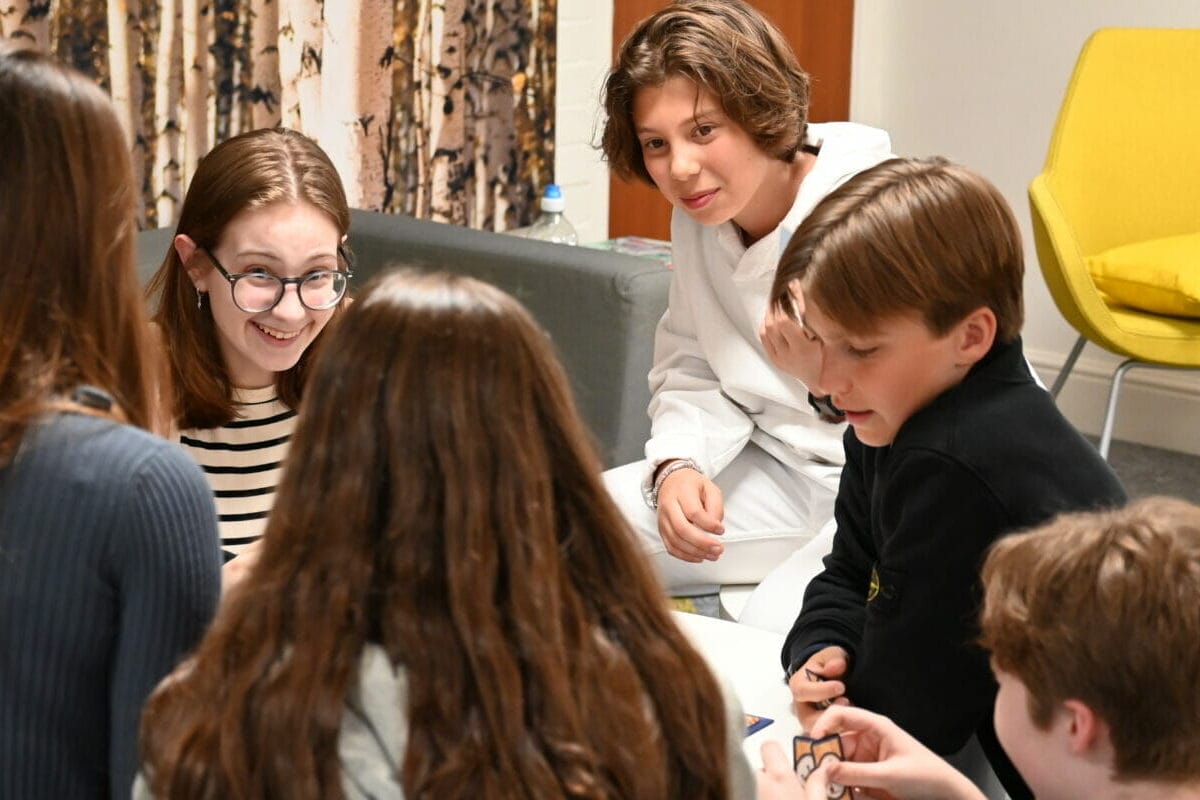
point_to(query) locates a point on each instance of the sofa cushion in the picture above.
(1161, 276)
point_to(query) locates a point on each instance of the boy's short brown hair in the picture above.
(724, 46)
(1105, 608)
(908, 235)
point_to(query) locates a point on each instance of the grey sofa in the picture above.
(600, 308)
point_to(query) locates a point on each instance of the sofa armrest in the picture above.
(600, 308)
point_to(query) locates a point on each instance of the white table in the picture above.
(749, 659)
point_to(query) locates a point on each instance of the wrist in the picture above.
(664, 471)
(958, 786)
(661, 466)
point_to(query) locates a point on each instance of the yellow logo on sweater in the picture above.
(873, 589)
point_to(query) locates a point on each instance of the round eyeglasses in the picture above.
(259, 291)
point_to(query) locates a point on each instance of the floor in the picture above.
(1149, 470)
(1144, 471)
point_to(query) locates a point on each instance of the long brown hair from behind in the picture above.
(725, 46)
(449, 508)
(250, 171)
(70, 305)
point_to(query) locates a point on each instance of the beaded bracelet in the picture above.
(651, 497)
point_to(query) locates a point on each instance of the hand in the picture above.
(886, 761)
(777, 780)
(789, 345)
(236, 569)
(690, 510)
(808, 694)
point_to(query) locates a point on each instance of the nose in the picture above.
(833, 377)
(684, 164)
(289, 306)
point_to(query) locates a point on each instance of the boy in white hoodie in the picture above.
(708, 103)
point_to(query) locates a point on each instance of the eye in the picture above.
(861, 352)
(653, 144)
(705, 130)
(257, 276)
(318, 277)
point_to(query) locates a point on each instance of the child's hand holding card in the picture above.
(810, 753)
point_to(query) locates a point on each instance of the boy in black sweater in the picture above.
(1093, 625)
(904, 288)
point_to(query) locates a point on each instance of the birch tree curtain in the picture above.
(441, 109)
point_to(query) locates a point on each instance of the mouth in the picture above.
(274, 335)
(856, 417)
(699, 200)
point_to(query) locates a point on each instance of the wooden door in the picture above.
(820, 31)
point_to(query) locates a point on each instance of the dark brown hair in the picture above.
(1105, 608)
(250, 171)
(448, 507)
(908, 235)
(724, 46)
(69, 301)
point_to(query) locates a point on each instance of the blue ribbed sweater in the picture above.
(109, 574)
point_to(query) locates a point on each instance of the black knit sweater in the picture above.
(109, 573)
(900, 590)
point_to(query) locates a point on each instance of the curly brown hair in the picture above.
(446, 504)
(724, 46)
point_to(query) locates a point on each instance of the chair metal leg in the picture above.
(1110, 414)
(1067, 366)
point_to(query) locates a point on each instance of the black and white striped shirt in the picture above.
(243, 461)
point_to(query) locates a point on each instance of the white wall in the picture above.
(981, 82)
(584, 55)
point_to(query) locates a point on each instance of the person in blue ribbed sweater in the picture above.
(109, 563)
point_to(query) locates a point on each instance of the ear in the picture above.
(1086, 731)
(185, 248)
(975, 334)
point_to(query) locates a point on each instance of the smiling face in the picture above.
(288, 240)
(706, 164)
(883, 378)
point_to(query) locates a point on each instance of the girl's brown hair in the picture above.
(448, 507)
(908, 235)
(724, 46)
(250, 171)
(70, 305)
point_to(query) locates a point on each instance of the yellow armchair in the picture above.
(1123, 169)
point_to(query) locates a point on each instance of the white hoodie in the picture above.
(713, 388)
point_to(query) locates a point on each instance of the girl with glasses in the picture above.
(109, 564)
(256, 270)
(447, 602)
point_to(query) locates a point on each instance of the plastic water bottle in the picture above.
(552, 226)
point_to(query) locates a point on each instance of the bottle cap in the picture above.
(552, 199)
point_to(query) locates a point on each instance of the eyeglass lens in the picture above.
(255, 292)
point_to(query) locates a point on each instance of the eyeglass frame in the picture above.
(233, 278)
